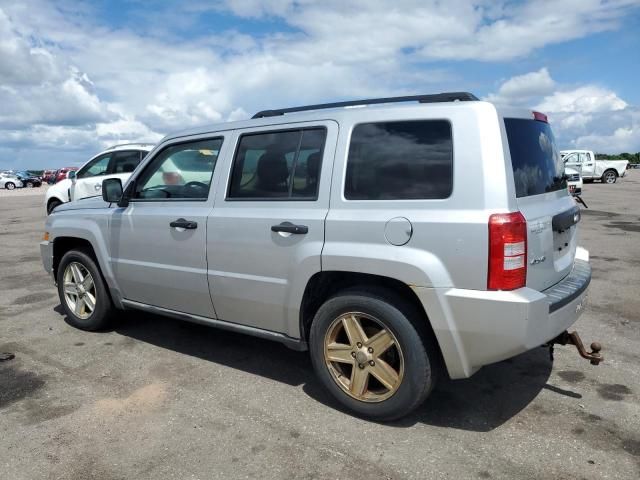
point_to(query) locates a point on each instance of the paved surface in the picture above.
(23, 192)
(156, 398)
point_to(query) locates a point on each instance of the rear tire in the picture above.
(610, 177)
(9, 185)
(82, 291)
(29, 185)
(371, 380)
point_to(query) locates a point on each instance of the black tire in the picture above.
(51, 205)
(420, 351)
(102, 314)
(609, 176)
(29, 185)
(9, 185)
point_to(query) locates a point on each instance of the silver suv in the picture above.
(396, 239)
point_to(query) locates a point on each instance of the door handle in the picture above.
(288, 227)
(182, 223)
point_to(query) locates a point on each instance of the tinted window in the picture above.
(125, 162)
(182, 171)
(537, 166)
(97, 166)
(400, 160)
(278, 165)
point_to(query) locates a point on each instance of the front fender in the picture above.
(91, 227)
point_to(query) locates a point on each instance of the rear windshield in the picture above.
(537, 166)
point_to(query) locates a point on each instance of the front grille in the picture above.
(574, 177)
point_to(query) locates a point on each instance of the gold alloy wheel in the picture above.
(363, 357)
(79, 290)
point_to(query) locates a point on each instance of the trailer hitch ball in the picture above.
(574, 339)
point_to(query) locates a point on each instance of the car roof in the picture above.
(130, 146)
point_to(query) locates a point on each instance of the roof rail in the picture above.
(140, 144)
(432, 98)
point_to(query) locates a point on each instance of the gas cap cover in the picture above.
(398, 231)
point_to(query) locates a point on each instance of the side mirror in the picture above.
(72, 175)
(112, 190)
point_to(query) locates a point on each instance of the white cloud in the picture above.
(585, 116)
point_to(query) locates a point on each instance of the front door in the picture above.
(118, 164)
(266, 232)
(158, 242)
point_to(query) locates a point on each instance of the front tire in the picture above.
(82, 291)
(9, 185)
(29, 185)
(368, 351)
(52, 205)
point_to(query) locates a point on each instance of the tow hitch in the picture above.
(566, 338)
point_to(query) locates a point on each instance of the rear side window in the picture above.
(536, 162)
(408, 160)
(278, 165)
(125, 161)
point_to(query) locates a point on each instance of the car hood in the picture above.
(83, 204)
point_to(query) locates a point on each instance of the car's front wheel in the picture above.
(82, 291)
(29, 185)
(9, 185)
(52, 205)
(372, 355)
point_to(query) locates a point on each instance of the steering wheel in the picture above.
(196, 185)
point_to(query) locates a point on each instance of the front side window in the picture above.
(278, 165)
(181, 171)
(97, 166)
(406, 160)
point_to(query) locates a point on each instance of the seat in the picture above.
(272, 173)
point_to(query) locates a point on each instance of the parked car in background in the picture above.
(398, 243)
(63, 173)
(585, 162)
(29, 180)
(574, 180)
(114, 162)
(10, 181)
(48, 176)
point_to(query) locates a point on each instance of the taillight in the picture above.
(507, 251)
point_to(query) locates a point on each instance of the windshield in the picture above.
(537, 165)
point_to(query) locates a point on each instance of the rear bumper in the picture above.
(476, 328)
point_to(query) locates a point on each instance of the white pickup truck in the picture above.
(591, 169)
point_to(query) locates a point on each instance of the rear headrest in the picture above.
(272, 169)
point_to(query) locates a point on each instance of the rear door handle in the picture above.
(288, 227)
(182, 223)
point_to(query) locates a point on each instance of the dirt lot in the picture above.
(157, 398)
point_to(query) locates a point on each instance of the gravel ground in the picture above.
(23, 192)
(158, 398)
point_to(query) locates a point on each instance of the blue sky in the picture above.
(76, 77)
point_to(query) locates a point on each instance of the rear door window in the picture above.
(278, 165)
(406, 160)
(537, 165)
(124, 161)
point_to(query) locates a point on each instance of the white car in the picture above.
(118, 161)
(591, 169)
(574, 180)
(9, 181)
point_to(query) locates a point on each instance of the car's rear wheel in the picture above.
(370, 353)
(9, 185)
(29, 184)
(610, 176)
(82, 291)
(52, 205)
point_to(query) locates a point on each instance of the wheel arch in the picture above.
(325, 284)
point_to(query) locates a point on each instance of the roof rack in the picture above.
(139, 144)
(432, 98)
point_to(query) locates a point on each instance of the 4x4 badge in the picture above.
(537, 260)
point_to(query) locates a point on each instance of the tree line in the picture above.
(632, 157)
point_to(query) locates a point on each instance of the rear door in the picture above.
(542, 195)
(266, 232)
